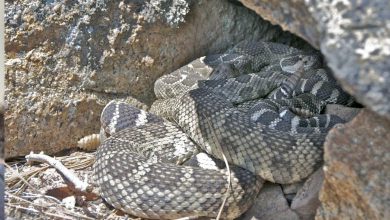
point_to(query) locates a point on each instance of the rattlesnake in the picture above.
(214, 103)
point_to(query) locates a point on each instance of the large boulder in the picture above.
(270, 204)
(354, 37)
(66, 59)
(306, 201)
(357, 174)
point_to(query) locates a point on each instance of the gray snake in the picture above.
(248, 104)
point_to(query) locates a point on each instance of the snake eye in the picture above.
(306, 61)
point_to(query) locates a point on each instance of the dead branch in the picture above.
(69, 175)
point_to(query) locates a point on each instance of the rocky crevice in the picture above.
(66, 60)
(352, 35)
(354, 38)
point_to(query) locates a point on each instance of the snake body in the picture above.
(258, 105)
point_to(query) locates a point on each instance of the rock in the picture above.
(346, 113)
(355, 42)
(292, 188)
(65, 61)
(306, 201)
(69, 202)
(271, 205)
(357, 162)
(289, 198)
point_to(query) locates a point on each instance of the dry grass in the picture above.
(27, 195)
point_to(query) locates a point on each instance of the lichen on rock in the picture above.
(172, 12)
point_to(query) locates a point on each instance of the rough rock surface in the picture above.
(354, 37)
(345, 113)
(270, 205)
(357, 174)
(292, 188)
(306, 201)
(66, 59)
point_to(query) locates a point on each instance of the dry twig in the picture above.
(215, 139)
(35, 203)
(78, 184)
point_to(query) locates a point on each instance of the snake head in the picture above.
(224, 71)
(292, 63)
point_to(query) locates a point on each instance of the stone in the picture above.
(270, 205)
(355, 42)
(69, 202)
(357, 162)
(65, 61)
(346, 113)
(292, 188)
(289, 198)
(306, 201)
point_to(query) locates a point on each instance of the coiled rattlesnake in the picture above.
(258, 104)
